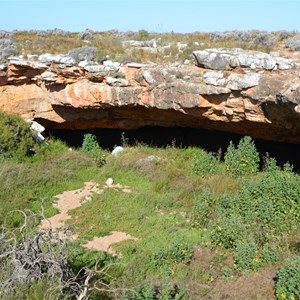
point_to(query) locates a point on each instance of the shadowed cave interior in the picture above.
(211, 141)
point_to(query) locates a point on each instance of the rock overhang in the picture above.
(246, 92)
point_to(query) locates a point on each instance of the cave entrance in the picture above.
(179, 137)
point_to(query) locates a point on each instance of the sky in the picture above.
(156, 15)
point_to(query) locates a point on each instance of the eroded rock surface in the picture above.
(233, 90)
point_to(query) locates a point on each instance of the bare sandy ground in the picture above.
(69, 200)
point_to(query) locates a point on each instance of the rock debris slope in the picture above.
(233, 90)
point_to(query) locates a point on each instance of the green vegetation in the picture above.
(288, 283)
(199, 222)
(91, 146)
(15, 137)
(171, 46)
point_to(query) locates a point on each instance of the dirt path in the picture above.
(69, 200)
(105, 243)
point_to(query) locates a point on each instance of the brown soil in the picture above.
(252, 285)
(69, 200)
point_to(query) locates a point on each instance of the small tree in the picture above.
(90, 145)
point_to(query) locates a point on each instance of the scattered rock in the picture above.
(117, 151)
(109, 181)
(37, 131)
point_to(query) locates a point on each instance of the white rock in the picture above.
(36, 126)
(32, 56)
(84, 63)
(47, 57)
(95, 68)
(148, 77)
(109, 63)
(49, 76)
(117, 151)
(109, 181)
(38, 137)
(18, 61)
(67, 60)
(136, 65)
(284, 63)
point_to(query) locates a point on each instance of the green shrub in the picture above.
(142, 35)
(201, 209)
(270, 164)
(205, 164)
(227, 231)
(269, 254)
(167, 291)
(288, 283)
(90, 145)
(270, 201)
(245, 254)
(179, 251)
(15, 137)
(243, 160)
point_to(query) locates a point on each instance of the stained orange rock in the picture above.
(71, 97)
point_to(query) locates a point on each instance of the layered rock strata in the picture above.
(245, 92)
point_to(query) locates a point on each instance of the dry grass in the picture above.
(109, 44)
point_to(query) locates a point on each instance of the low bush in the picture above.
(167, 291)
(83, 53)
(201, 209)
(7, 49)
(293, 43)
(16, 139)
(288, 282)
(243, 160)
(205, 164)
(265, 39)
(245, 254)
(227, 231)
(180, 251)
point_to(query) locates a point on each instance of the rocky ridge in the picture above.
(234, 90)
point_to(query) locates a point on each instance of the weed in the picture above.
(288, 282)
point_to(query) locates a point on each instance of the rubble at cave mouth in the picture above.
(157, 136)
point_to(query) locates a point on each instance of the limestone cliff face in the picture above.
(235, 91)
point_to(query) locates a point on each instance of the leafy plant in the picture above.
(167, 291)
(243, 160)
(90, 145)
(288, 283)
(227, 231)
(205, 164)
(15, 137)
(245, 254)
(179, 251)
(201, 209)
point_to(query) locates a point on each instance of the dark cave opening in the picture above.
(157, 136)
